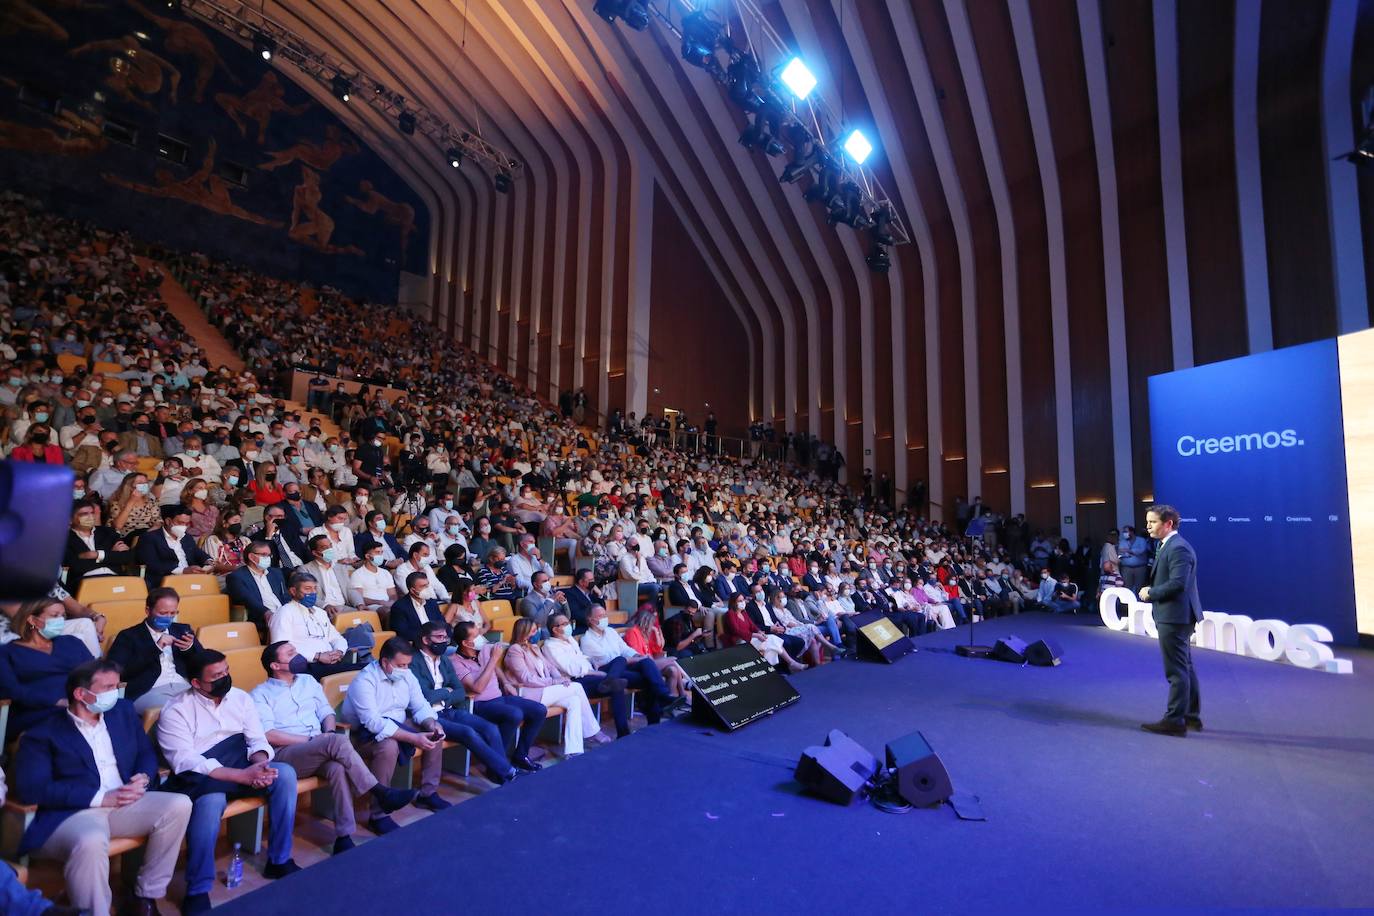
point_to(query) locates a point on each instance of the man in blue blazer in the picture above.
(581, 599)
(245, 584)
(412, 610)
(375, 533)
(1176, 609)
(92, 771)
(157, 549)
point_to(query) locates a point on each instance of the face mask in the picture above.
(143, 488)
(396, 676)
(377, 443)
(201, 494)
(375, 559)
(178, 531)
(83, 521)
(163, 621)
(263, 562)
(663, 551)
(329, 555)
(40, 417)
(18, 382)
(299, 664)
(220, 686)
(309, 600)
(53, 627)
(270, 477)
(232, 481)
(600, 625)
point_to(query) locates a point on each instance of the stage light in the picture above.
(826, 188)
(846, 206)
(264, 46)
(341, 86)
(878, 260)
(502, 182)
(455, 156)
(882, 225)
(759, 136)
(174, 5)
(636, 16)
(797, 77)
(700, 35)
(405, 123)
(805, 152)
(858, 147)
(742, 76)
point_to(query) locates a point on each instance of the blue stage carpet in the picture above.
(1271, 806)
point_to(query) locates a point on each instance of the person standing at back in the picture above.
(1177, 610)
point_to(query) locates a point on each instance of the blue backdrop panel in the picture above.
(1251, 452)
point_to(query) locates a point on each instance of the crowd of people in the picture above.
(434, 495)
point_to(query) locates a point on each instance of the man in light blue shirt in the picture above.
(392, 720)
(299, 723)
(1132, 549)
(525, 562)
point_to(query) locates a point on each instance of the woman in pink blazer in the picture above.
(528, 673)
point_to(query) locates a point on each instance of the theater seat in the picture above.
(188, 584)
(203, 610)
(111, 588)
(227, 636)
(245, 667)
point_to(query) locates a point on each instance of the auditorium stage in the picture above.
(1271, 806)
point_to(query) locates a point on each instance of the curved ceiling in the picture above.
(1096, 191)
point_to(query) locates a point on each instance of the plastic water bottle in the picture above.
(233, 876)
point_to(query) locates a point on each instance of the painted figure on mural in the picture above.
(400, 215)
(204, 189)
(309, 224)
(135, 71)
(258, 105)
(23, 16)
(184, 38)
(70, 135)
(319, 156)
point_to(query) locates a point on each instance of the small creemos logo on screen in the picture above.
(1192, 446)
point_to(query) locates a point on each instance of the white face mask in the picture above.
(600, 625)
(178, 531)
(338, 526)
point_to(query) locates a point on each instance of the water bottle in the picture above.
(233, 876)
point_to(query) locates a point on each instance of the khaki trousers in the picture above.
(381, 757)
(332, 758)
(83, 842)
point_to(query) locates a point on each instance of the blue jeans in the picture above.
(643, 674)
(956, 609)
(1065, 606)
(203, 829)
(509, 714)
(831, 627)
(479, 736)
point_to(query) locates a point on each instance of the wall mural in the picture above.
(142, 119)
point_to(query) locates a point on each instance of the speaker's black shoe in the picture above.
(1193, 722)
(1166, 727)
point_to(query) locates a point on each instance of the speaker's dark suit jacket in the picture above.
(55, 769)
(1173, 584)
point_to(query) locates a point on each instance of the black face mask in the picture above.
(270, 476)
(40, 438)
(220, 686)
(236, 529)
(291, 496)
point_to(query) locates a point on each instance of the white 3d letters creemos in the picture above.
(1301, 644)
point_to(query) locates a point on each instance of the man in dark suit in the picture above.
(412, 610)
(581, 599)
(246, 584)
(152, 654)
(301, 517)
(90, 771)
(170, 549)
(758, 609)
(375, 534)
(91, 547)
(1177, 610)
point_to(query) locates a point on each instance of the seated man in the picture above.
(213, 740)
(608, 652)
(413, 610)
(306, 626)
(418, 557)
(580, 599)
(477, 668)
(634, 568)
(331, 576)
(391, 720)
(440, 684)
(299, 723)
(153, 654)
(525, 562)
(257, 585)
(542, 600)
(89, 771)
(374, 534)
(564, 655)
(169, 550)
(370, 586)
(1065, 599)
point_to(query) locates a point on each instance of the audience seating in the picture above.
(111, 588)
(245, 667)
(495, 609)
(120, 615)
(355, 618)
(202, 610)
(228, 636)
(191, 584)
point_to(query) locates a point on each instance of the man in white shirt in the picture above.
(419, 562)
(444, 512)
(196, 462)
(299, 724)
(97, 727)
(213, 740)
(331, 576)
(634, 568)
(387, 709)
(370, 587)
(525, 562)
(306, 626)
(608, 652)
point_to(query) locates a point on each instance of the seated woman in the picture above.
(684, 635)
(646, 637)
(195, 496)
(534, 679)
(133, 507)
(34, 668)
(565, 656)
(498, 581)
(740, 628)
(226, 543)
(562, 529)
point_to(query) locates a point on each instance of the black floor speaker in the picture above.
(1044, 652)
(921, 776)
(837, 770)
(1011, 649)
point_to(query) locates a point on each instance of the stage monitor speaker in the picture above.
(837, 770)
(879, 640)
(1011, 649)
(921, 776)
(35, 509)
(1044, 652)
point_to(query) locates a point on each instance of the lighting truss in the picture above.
(249, 26)
(814, 114)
